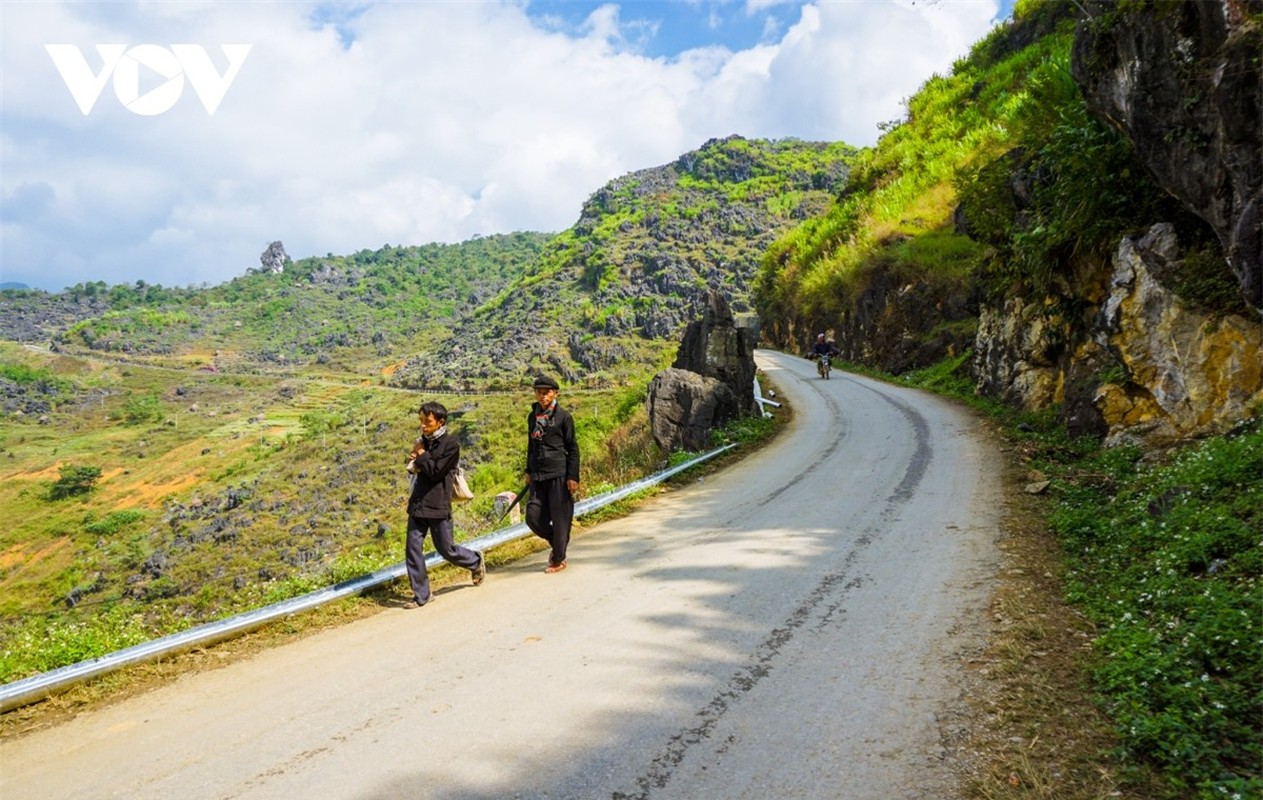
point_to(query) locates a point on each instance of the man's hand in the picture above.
(573, 486)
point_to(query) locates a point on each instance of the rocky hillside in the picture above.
(610, 296)
(356, 314)
(1077, 205)
(601, 301)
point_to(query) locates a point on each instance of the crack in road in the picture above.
(827, 597)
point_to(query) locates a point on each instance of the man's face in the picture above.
(545, 396)
(429, 424)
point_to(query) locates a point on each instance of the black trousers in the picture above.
(441, 530)
(549, 513)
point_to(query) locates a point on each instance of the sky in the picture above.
(170, 142)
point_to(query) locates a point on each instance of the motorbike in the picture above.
(823, 366)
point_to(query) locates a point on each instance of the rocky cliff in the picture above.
(1138, 364)
(1182, 79)
(1128, 346)
(1125, 355)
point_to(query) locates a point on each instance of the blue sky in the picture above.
(210, 129)
(666, 28)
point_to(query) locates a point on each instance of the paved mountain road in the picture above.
(790, 627)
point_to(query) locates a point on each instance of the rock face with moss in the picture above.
(711, 382)
(1188, 372)
(1149, 368)
(1182, 79)
(1161, 342)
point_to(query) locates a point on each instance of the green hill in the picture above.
(608, 298)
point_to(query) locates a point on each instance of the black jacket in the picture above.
(432, 495)
(556, 454)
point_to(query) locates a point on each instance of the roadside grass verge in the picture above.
(1129, 622)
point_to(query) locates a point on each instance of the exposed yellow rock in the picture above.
(1200, 372)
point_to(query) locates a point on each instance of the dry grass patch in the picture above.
(1037, 734)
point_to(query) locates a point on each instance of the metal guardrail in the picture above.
(763, 401)
(37, 687)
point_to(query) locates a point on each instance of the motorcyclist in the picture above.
(823, 347)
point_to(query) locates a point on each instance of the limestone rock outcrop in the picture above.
(1183, 83)
(715, 347)
(1018, 353)
(711, 382)
(1189, 372)
(684, 406)
(1146, 368)
(274, 258)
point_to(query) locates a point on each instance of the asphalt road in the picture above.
(790, 627)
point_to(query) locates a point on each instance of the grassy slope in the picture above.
(352, 314)
(228, 491)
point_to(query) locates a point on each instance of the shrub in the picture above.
(142, 408)
(74, 481)
(113, 522)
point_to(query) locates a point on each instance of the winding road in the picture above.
(792, 626)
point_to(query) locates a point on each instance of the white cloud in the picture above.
(403, 124)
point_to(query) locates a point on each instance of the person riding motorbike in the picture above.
(822, 351)
(823, 347)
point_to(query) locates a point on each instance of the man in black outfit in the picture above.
(433, 458)
(823, 347)
(552, 471)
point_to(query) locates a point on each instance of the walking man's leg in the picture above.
(561, 513)
(414, 559)
(445, 542)
(537, 518)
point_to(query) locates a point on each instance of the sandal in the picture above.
(551, 568)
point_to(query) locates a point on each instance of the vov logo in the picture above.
(176, 63)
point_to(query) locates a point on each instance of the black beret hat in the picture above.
(545, 382)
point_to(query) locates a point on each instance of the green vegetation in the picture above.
(1166, 561)
(142, 408)
(1087, 189)
(998, 178)
(74, 481)
(896, 218)
(222, 492)
(335, 312)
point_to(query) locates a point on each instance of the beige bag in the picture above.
(461, 492)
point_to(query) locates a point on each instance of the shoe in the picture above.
(551, 568)
(409, 604)
(479, 573)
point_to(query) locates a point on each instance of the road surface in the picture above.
(790, 627)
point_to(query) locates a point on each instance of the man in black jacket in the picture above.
(433, 459)
(552, 471)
